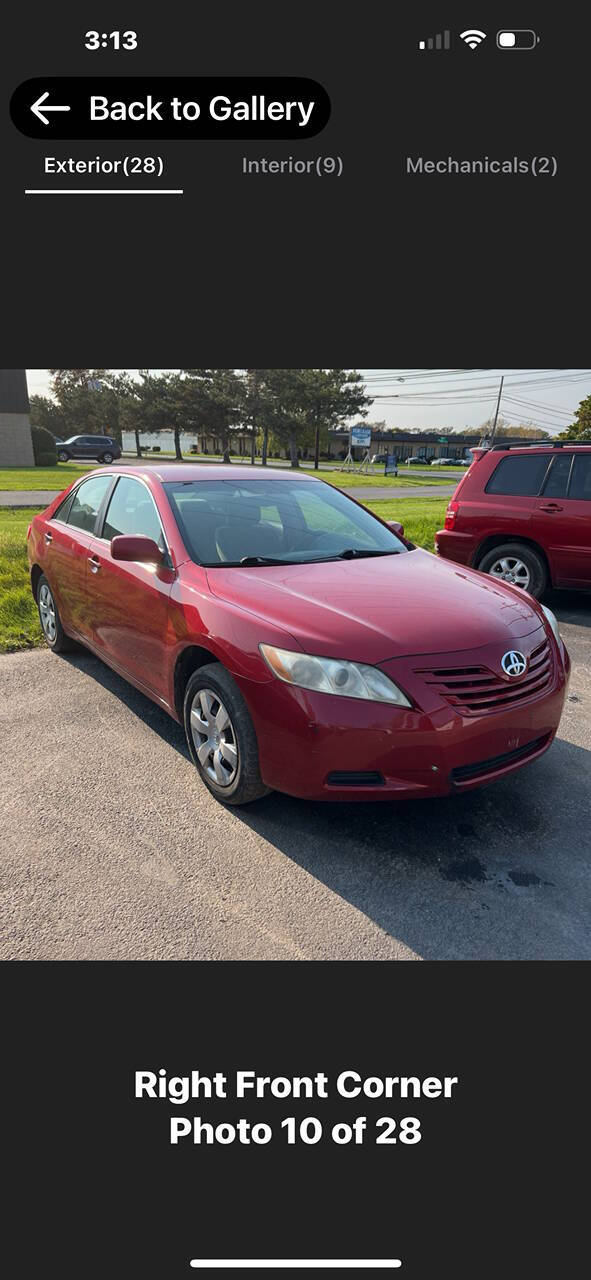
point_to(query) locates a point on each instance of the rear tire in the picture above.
(517, 564)
(51, 623)
(221, 737)
(107, 458)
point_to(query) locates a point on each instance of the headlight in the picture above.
(327, 675)
(553, 620)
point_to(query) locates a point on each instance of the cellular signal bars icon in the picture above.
(436, 42)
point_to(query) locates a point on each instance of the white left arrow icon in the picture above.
(41, 102)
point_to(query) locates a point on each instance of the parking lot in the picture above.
(113, 849)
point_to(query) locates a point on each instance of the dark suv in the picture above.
(101, 448)
(523, 514)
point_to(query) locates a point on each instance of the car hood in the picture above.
(376, 609)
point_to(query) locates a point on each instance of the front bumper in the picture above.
(305, 739)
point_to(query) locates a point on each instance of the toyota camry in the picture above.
(304, 643)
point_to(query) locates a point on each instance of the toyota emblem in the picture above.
(513, 663)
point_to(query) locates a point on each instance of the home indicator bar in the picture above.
(222, 1264)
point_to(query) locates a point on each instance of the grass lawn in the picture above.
(19, 623)
(58, 477)
(421, 519)
(352, 480)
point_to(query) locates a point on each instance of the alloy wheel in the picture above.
(511, 569)
(47, 613)
(214, 737)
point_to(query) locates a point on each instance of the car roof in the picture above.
(539, 448)
(192, 471)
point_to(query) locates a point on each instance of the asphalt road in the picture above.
(113, 850)
(369, 493)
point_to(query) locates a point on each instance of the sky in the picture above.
(454, 398)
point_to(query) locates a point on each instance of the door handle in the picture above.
(48, 538)
(94, 563)
(551, 507)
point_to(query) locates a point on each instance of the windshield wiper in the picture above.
(357, 553)
(250, 561)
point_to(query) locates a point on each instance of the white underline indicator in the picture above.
(247, 1263)
(103, 191)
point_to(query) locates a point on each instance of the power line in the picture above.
(473, 393)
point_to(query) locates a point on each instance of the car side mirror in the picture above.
(136, 546)
(396, 527)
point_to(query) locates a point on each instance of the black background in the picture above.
(358, 271)
(363, 269)
(495, 1187)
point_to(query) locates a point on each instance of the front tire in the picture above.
(517, 564)
(221, 737)
(63, 455)
(51, 623)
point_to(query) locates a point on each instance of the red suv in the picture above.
(523, 514)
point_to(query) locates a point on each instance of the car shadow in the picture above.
(570, 606)
(497, 873)
(142, 706)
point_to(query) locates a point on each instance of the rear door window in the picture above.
(87, 500)
(580, 485)
(521, 476)
(557, 480)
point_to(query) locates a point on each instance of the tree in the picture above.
(285, 409)
(84, 402)
(253, 407)
(580, 429)
(298, 405)
(132, 399)
(47, 414)
(334, 396)
(157, 404)
(78, 394)
(215, 400)
(44, 451)
(260, 407)
(512, 431)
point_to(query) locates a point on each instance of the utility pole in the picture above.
(497, 411)
(253, 376)
(317, 438)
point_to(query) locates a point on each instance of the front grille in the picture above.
(478, 690)
(355, 779)
(467, 772)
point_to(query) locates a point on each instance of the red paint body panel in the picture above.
(409, 614)
(371, 610)
(131, 617)
(559, 527)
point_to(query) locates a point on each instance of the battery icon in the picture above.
(517, 39)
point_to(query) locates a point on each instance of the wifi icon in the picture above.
(473, 38)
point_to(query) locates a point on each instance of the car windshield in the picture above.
(227, 522)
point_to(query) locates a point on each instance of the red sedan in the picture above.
(305, 645)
